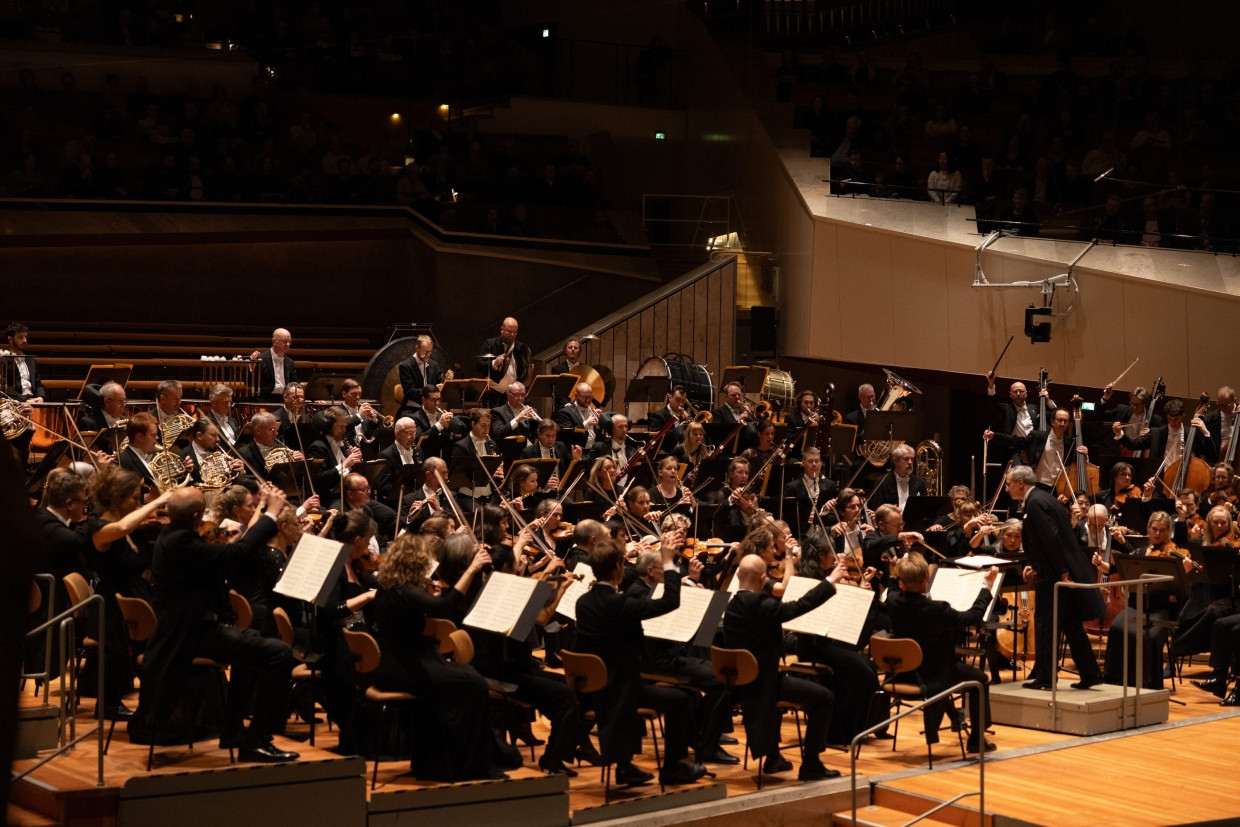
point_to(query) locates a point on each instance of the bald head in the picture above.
(508, 329)
(1098, 515)
(185, 508)
(751, 572)
(281, 340)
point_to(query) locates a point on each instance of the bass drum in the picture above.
(381, 379)
(779, 390)
(681, 371)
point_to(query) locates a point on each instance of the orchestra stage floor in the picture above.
(1154, 775)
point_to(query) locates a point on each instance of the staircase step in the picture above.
(878, 816)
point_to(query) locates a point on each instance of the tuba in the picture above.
(877, 452)
(928, 465)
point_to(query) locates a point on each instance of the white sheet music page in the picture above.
(568, 603)
(681, 624)
(841, 618)
(501, 603)
(958, 587)
(981, 561)
(308, 568)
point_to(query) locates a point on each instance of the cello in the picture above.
(1189, 471)
(1082, 472)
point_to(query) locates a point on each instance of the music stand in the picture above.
(459, 394)
(544, 467)
(646, 390)
(752, 378)
(1133, 568)
(510, 447)
(370, 469)
(843, 440)
(1220, 565)
(102, 374)
(920, 512)
(895, 426)
(464, 472)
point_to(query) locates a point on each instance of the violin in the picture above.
(212, 533)
(563, 531)
(1121, 497)
(710, 548)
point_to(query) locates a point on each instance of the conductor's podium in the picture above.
(1100, 709)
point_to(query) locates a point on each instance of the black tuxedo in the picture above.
(389, 478)
(725, 414)
(412, 384)
(1121, 412)
(232, 419)
(465, 448)
(805, 507)
(130, 461)
(1033, 445)
(36, 385)
(188, 451)
(604, 448)
(501, 429)
(754, 621)
(267, 376)
(1052, 550)
(327, 479)
(570, 418)
(1156, 442)
(433, 441)
(1003, 414)
(559, 450)
(609, 624)
(856, 417)
(888, 494)
(496, 347)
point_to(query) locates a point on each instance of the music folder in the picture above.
(551, 386)
(960, 588)
(312, 569)
(1134, 568)
(694, 621)
(841, 618)
(456, 392)
(1219, 563)
(509, 605)
(466, 472)
(544, 467)
(370, 469)
(411, 476)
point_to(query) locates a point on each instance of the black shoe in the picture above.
(957, 719)
(681, 773)
(1088, 683)
(266, 753)
(528, 738)
(883, 735)
(1233, 699)
(728, 741)
(589, 755)
(776, 763)
(554, 766)
(1216, 686)
(971, 746)
(816, 772)
(1167, 672)
(627, 775)
(496, 774)
(552, 661)
(1036, 685)
(718, 756)
(120, 712)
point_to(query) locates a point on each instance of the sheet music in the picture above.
(958, 587)
(841, 618)
(981, 561)
(503, 600)
(568, 603)
(308, 568)
(680, 625)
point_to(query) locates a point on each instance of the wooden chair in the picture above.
(738, 667)
(901, 656)
(462, 651)
(440, 629)
(140, 624)
(588, 673)
(79, 590)
(241, 608)
(303, 672)
(366, 657)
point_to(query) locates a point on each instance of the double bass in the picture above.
(1082, 473)
(1189, 471)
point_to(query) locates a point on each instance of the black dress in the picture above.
(254, 580)
(456, 692)
(119, 570)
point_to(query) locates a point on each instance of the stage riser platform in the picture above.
(795, 805)
(37, 729)
(1081, 711)
(529, 802)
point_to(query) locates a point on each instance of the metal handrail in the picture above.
(979, 725)
(65, 619)
(1140, 585)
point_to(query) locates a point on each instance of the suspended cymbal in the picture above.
(591, 377)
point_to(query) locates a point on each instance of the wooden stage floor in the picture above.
(1158, 775)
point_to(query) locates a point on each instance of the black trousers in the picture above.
(261, 668)
(817, 701)
(1071, 626)
(1225, 644)
(933, 715)
(548, 693)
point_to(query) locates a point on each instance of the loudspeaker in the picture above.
(762, 328)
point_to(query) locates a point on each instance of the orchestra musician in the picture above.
(1015, 417)
(737, 509)
(1207, 602)
(111, 412)
(265, 428)
(1222, 490)
(514, 417)
(609, 625)
(1115, 497)
(220, 411)
(571, 360)
(1166, 442)
(581, 414)
(806, 411)
(865, 406)
(27, 388)
(667, 492)
(901, 483)
(275, 367)
(693, 449)
(143, 433)
(620, 446)
(1049, 452)
(1158, 606)
(1095, 532)
(204, 440)
(418, 374)
(168, 405)
(674, 409)
(477, 442)
(759, 454)
(429, 501)
(935, 625)
(292, 412)
(887, 539)
(403, 451)
(503, 360)
(357, 496)
(332, 448)
(754, 622)
(545, 446)
(811, 489)
(734, 410)
(1054, 555)
(436, 423)
(1132, 413)
(1221, 420)
(363, 418)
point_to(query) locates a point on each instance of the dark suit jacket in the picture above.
(267, 375)
(504, 414)
(888, 495)
(935, 625)
(754, 621)
(1120, 413)
(36, 385)
(413, 386)
(131, 462)
(1156, 442)
(495, 347)
(326, 478)
(826, 490)
(609, 624)
(1051, 548)
(1003, 415)
(190, 576)
(1034, 445)
(559, 450)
